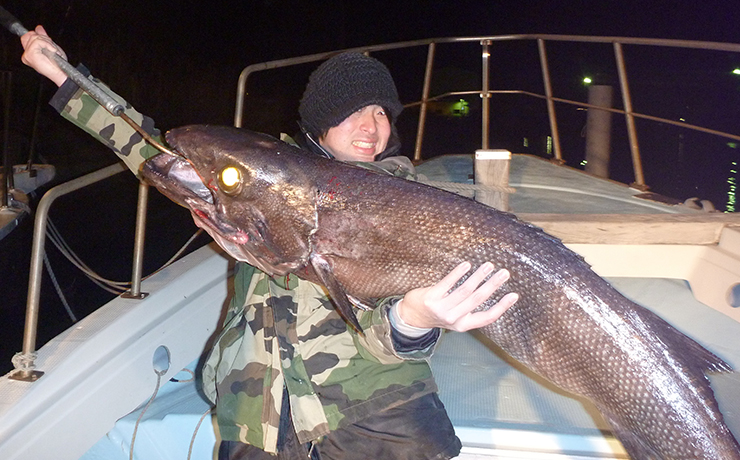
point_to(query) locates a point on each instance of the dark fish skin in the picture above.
(369, 235)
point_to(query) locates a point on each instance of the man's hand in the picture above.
(33, 42)
(435, 306)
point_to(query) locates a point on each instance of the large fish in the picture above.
(365, 235)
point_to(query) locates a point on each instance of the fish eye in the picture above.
(230, 180)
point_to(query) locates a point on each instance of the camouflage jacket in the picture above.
(283, 331)
(78, 107)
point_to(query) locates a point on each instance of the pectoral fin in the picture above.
(323, 270)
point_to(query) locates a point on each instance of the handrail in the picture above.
(541, 39)
(550, 102)
(24, 362)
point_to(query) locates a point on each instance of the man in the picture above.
(288, 377)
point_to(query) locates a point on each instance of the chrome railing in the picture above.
(24, 362)
(485, 92)
(25, 368)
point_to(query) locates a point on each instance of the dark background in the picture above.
(178, 61)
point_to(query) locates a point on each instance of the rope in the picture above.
(160, 374)
(18, 204)
(192, 377)
(197, 427)
(177, 254)
(457, 187)
(149, 403)
(24, 361)
(114, 287)
(54, 281)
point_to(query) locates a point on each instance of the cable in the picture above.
(197, 427)
(114, 287)
(149, 403)
(59, 289)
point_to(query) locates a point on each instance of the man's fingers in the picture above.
(445, 284)
(484, 318)
(472, 293)
(465, 307)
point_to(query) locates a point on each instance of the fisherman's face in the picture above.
(360, 137)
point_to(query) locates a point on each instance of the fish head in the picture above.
(247, 190)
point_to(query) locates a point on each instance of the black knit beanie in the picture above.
(342, 85)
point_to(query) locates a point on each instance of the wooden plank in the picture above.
(492, 168)
(702, 228)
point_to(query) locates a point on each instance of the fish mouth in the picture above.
(178, 175)
(176, 178)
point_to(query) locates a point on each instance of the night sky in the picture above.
(178, 61)
(157, 53)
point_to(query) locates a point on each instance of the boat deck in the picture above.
(500, 410)
(11, 216)
(25, 182)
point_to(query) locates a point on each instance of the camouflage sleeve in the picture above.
(82, 110)
(398, 166)
(379, 337)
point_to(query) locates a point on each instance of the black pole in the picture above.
(8, 184)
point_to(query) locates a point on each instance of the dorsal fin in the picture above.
(691, 352)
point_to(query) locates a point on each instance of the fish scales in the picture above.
(369, 236)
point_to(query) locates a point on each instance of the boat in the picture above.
(122, 382)
(20, 180)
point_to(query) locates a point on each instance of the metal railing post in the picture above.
(139, 238)
(550, 101)
(424, 98)
(485, 96)
(629, 117)
(25, 361)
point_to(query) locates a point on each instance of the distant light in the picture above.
(732, 145)
(587, 80)
(460, 108)
(736, 71)
(681, 119)
(584, 162)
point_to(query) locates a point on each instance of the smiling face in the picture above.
(361, 136)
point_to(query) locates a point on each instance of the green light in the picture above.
(732, 145)
(587, 80)
(460, 108)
